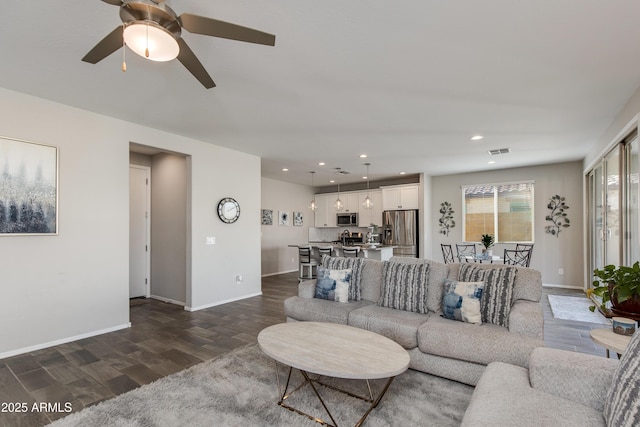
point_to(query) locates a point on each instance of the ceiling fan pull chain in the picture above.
(124, 50)
(146, 51)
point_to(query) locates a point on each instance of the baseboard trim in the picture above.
(202, 307)
(281, 272)
(168, 300)
(63, 341)
(551, 285)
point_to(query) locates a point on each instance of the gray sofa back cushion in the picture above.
(528, 284)
(437, 275)
(372, 279)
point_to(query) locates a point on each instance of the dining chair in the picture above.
(447, 254)
(520, 257)
(306, 261)
(522, 246)
(466, 250)
(351, 252)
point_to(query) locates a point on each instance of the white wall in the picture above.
(550, 253)
(58, 288)
(283, 196)
(622, 119)
(169, 221)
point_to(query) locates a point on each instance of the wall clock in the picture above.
(228, 210)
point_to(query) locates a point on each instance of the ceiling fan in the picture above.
(153, 30)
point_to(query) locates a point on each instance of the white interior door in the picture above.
(139, 203)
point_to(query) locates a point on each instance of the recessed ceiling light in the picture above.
(364, 177)
(285, 170)
(332, 181)
(363, 156)
(491, 162)
(321, 164)
(476, 137)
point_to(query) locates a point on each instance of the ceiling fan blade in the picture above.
(113, 2)
(105, 47)
(191, 62)
(212, 27)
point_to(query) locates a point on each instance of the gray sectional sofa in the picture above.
(560, 388)
(448, 348)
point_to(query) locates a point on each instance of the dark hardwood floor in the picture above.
(165, 339)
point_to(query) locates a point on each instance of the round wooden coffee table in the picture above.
(333, 350)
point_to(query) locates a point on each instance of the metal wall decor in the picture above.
(446, 221)
(557, 216)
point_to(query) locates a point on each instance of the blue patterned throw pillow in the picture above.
(495, 304)
(333, 285)
(461, 301)
(355, 264)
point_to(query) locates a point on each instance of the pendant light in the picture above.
(367, 203)
(313, 205)
(338, 203)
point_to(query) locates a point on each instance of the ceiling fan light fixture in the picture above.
(151, 41)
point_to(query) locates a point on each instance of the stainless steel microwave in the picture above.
(347, 219)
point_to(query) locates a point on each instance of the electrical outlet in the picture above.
(239, 279)
(293, 260)
(211, 240)
(561, 271)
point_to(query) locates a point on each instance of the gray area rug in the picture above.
(575, 308)
(239, 389)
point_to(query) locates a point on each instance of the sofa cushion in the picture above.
(404, 287)
(398, 325)
(320, 310)
(371, 279)
(496, 300)
(475, 343)
(461, 301)
(528, 285)
(333, 285)
(503, 397)
(622, 407)
(355, 264)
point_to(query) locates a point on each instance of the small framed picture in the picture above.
(297, 218)
(283, 218)
(267, 217)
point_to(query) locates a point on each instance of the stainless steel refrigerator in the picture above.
(400, 229)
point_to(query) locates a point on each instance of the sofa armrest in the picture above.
(526, 318)
(582, 378)
(307, 288)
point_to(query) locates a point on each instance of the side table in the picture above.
(610, 340)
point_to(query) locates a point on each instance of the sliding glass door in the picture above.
(614, 206)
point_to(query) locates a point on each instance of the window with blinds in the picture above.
(502, 210)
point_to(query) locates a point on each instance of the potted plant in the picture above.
(620, 286)
(487, 241)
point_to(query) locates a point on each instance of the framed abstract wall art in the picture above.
(267, 217)
(28, 188)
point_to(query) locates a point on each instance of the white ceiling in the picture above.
(406, 82)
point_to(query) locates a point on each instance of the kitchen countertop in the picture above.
(363, 246)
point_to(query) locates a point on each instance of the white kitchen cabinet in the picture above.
(400, 197)
(325, 215)
(350, 201)
(367, 217)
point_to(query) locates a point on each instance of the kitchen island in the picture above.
(377, 252)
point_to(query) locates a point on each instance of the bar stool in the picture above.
(325, 250)
(306, 261)
(351, 252)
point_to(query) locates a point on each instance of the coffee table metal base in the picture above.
(312, 383)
